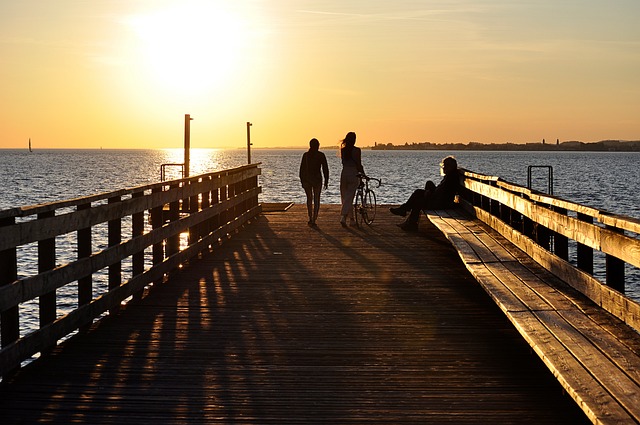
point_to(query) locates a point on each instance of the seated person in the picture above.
(432, 196)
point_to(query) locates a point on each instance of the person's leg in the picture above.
(316, 202)
(348, 186)
(309, 192)
(416, 203)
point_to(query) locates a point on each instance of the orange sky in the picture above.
(122, 74)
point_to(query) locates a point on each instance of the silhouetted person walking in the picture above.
(313, 162)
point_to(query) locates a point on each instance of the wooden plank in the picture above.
(466, 252)
(552, 295)
(495, 288)
(600, 371)
(288, 324)
(599, 406)
(512, 281)
(611, 346)
(614, 380)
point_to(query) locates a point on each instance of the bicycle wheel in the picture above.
(369, 207)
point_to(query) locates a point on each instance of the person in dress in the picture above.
(432, 196)
(313, 163)
(351, 157)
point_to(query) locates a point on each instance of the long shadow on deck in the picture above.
(289, 324)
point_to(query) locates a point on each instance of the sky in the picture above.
(123, 73)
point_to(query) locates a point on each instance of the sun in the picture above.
(192, 46)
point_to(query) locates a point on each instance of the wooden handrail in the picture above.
(213, 205)
(542, 225)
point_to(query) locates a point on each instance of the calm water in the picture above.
(607, 181)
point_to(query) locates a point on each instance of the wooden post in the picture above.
(9, 319)
(224, 195)
(173, 242)
(157, 221)
(543, 235)
(615, 268)
(46, 262)
(561, 242)
(137, 229)
(187, 144)
(85, 290)
(249, 142)
(114, 238)
(215, 199)
(585, 254)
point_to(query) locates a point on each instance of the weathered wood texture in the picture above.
(196, 208)
(541, 225)
(594, 355)
(288, 324)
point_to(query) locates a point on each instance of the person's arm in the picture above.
(325, 171)
(447, 188)
(303, 168)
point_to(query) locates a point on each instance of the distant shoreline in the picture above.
(601, 146)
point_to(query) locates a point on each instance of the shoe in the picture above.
(343, 221)
(398, 211)
(408, 226)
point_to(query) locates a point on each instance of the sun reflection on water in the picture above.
(201, 160)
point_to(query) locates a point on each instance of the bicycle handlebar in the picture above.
(364, 176)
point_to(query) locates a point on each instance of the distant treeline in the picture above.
(603, 146)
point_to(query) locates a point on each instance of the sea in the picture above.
(604, 180)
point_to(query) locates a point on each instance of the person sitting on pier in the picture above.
(312, 162)
(432, 196)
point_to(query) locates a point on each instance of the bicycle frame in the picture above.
(364, 207)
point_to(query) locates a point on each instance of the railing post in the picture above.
(561, 242)
(157, 221)
(46, 262)
(584, 253)
(85, 290)
(224, 195)
(215, 199)
(137, 229)
(9, 319)
(543, 235)
(527, 225)
(615, 268)
(114, 238)
(173, 241)
(205, 203)
(494, 206)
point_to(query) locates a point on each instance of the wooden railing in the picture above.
(564, 237)
(170, 222)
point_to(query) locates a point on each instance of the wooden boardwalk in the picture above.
(287, 324)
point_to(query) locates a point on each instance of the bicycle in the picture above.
(364, 208)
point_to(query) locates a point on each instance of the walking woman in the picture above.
(312, 162)
(351, 165)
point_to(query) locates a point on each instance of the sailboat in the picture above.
(30, 150)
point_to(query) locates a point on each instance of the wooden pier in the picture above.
(288, 324)
(191, 302)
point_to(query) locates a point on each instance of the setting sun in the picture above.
(190, 47)
(122, 74)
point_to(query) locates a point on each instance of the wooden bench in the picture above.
(594, 356)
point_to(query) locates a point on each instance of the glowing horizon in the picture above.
(123, 74)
